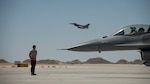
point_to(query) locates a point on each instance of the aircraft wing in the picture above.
(75, 24)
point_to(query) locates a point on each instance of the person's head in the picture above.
(34, 46)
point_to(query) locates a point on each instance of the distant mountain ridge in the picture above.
(97, 60)
(3, 61)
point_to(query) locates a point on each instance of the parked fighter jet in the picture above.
(81, 26)
(133, 37)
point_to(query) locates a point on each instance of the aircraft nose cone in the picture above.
(85, 47)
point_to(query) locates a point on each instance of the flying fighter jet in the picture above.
(132, 37)
(81, 26)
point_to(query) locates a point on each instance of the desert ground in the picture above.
(76, 74)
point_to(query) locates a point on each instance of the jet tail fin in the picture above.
(87, 26)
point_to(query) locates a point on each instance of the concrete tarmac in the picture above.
(77, 74)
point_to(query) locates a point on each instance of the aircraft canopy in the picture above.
(133, 30)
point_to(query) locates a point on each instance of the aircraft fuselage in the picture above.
(133, 37)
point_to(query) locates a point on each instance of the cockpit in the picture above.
(133, 30)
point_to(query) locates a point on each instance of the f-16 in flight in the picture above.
(132, 37)
(81, 26)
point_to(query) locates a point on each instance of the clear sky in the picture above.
(45, 23)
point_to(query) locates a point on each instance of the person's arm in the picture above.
(30, 55)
